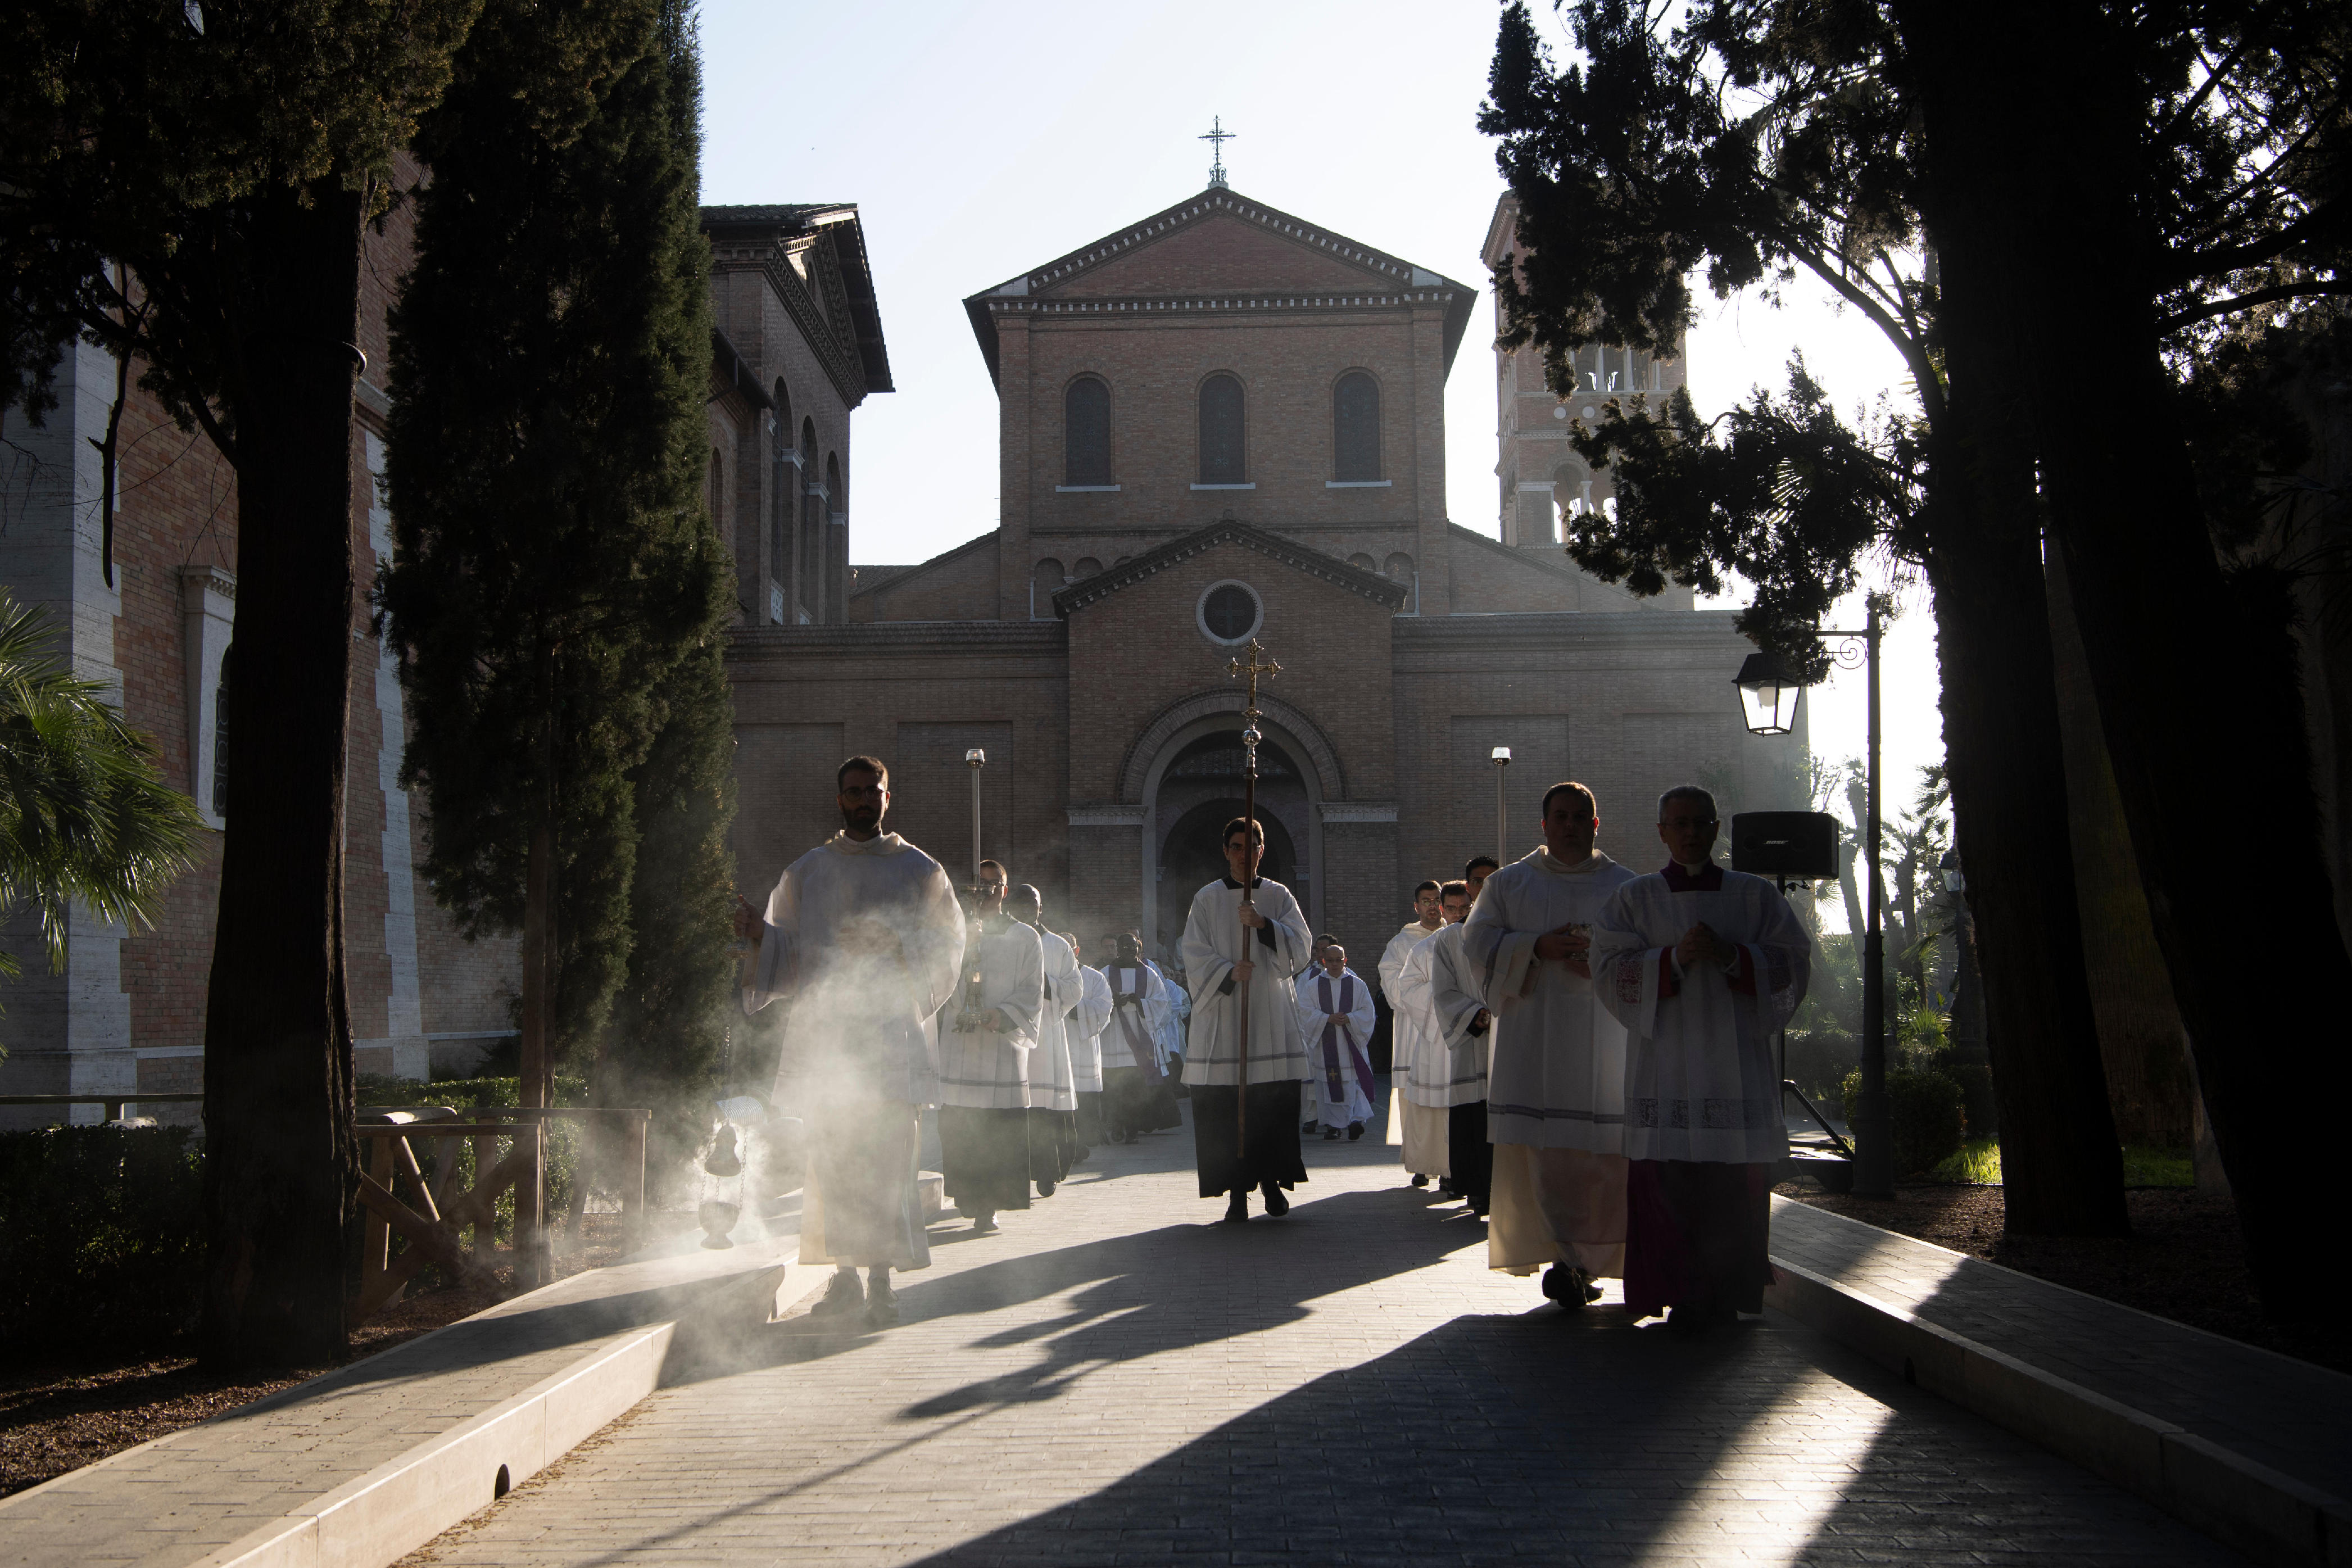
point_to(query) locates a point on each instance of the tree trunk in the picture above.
(281, 1168)
(2141, 1037)
(2196, 670)
(2061, 1163)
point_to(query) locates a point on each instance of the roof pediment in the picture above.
(1390, 596)
(1220, 244)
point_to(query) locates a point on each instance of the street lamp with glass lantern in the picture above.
(1501, 756)
(1767, 701)
(975, 760)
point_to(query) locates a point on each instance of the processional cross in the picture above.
(1248, 671)
(1216, 137)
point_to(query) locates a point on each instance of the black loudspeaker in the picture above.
(1801, 843)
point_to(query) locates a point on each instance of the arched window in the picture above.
(1356, 428)
(1222, 455)
(1087, 566)
(1362, 562)
(1085, 432)
(1046, 580)
(1398, 568)
(781, 506)
(812, 534)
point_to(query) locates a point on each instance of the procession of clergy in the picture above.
(1582, 1052)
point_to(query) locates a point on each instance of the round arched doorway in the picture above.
(1201, 791)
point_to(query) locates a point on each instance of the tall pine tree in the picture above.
(557, 590)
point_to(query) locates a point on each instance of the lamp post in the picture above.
(1502, 759)
(975, 760)
(1768, 699)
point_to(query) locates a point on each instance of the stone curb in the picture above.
(448, 1476)
(2270, 1516)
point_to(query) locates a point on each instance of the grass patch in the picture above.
(1979, 1164)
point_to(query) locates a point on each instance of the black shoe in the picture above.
(1330, 1135)
(1355, 1131)
(1309, 1126)
(1694, 1321)
(843, 1293)
(881, 1304)
(1445, 1188)
(1237, 1207)
(1277, 1202)
(1045, 1189)
(1420, 1180)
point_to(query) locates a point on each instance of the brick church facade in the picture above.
(1225, 422)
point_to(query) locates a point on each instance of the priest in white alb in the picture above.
(861, 939)
(1420, 1135)
(1450, 1070)
(1053, 1084)
(1556, 1090)
(1087, 1021)
(986, 1040)
(1245, 1137)
(1138, 1096)
(1334, 1017)
(1701, 965)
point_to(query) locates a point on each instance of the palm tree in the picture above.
(84, 815)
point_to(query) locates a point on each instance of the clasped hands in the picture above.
(1700, 945)
(1570, 944)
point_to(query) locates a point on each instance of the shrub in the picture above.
(563, 1137)
(101, 1240)
(1819, 1060)
(1930, 1124)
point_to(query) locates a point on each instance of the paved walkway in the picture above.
(1117, 1378)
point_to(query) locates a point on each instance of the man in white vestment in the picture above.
(1245, 1137)
(1138, 1096)
(1449, 1071)
(1087, 1021)
(861, 939)
(986, 1040)
(1424, 1148)
(1556, 1090)
(1175, 1021)
(1701, 965)
(1053, 1086)
(1334, 1017)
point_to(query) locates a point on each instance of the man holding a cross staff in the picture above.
(1244, 943)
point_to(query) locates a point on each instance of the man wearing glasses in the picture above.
(861, 939)
(1701, 965)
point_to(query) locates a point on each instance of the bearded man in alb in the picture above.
(1421, 1139)
(861, 939)
(1701, 965)
(1556, 1090)
(1138, 1096)
(1245, 1137)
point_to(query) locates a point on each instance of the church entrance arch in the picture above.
(1192, 788)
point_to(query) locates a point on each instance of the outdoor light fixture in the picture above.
(1501, 757)
(1767, 693)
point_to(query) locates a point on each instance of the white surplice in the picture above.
(1336, 1018)
(1175, 1011)
(863, 938)
(1087, 1020)
(1449, 1062)
(1141, 1011)
(1213, 945)
(1699, 1082)
(1404, 1027)
(983, 1067)
(1557, 1077)
(1053, 1082)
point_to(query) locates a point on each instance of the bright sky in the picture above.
(979, 142)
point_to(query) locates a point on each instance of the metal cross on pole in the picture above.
(1216, 136)
(1248, 672)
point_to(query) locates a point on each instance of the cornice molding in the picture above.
(770, 259)
(1131, 305)
(1298, 557)
(892, 637)
(1211, 203)
(1100, 814)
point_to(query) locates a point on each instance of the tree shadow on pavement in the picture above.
(1122, 1309)
(1550, 1437)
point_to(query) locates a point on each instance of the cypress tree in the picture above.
(556, 585)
